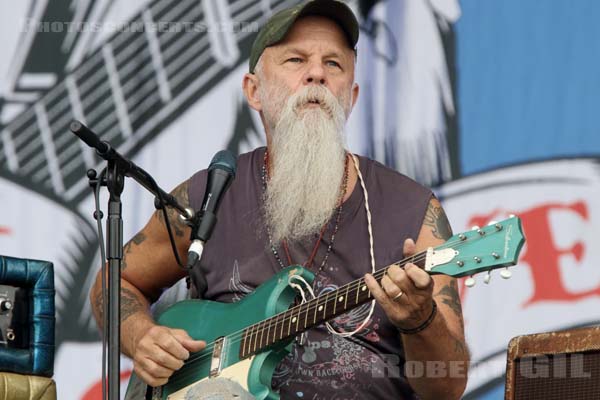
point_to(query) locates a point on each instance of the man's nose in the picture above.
(315, 74)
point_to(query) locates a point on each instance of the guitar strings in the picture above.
(236, 337)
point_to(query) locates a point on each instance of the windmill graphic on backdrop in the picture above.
(128, 90)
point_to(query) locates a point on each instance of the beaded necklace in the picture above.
(308, 263)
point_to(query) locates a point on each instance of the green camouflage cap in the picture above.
(280, 23)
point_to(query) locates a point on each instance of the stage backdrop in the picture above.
(458, 96)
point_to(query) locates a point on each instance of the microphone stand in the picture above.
(118, 168)
(114, 254)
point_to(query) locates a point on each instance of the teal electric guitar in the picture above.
(246, 340)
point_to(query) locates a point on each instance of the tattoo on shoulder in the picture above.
(451, 298)
(99, 306)
(130, 304)
(136, 240)
(435, 217)
(178, 226)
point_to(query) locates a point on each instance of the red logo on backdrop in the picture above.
(541, 252)
(5, 230)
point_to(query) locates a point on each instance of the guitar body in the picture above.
(209, 321)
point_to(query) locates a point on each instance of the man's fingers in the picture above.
(164, 356)
(419, 278)
(148, 378)
(156, 370)
(390, 287)
(187, 342)
(409, 247)
(378, 293)
(169, 343)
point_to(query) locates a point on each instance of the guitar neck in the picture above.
(137, 82)
(313, 312)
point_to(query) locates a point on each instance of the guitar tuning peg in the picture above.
(511, 215)
(474, 227)
(487, 277)
(470, 282)
(492, 222)
(505, 273)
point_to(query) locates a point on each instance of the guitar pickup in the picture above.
(216, 361)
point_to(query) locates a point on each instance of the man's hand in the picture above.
(162, 351)
(405, 294)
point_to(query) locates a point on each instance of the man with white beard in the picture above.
(304, 199)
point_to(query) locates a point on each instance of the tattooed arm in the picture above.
(148, 268)
(443, 342)
(438, 353)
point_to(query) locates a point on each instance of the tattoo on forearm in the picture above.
(451, 298)
(130, 304)
(99, 307)
(181, 194)
(435, 217)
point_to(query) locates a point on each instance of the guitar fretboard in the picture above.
(129, 89)
(312, 313)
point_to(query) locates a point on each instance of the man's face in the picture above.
(314, 52)
(305, 91)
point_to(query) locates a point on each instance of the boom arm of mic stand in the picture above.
(128, 167)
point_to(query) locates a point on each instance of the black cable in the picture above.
(161, 204)
(98, 217)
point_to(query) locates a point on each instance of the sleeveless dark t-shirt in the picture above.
(238, 258)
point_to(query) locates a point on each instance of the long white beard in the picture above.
(307, 157)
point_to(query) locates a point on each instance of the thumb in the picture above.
(187, 341)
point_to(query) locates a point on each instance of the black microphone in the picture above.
(221, 173)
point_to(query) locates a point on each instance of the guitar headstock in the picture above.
(496, 245)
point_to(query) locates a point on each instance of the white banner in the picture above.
(556, 284)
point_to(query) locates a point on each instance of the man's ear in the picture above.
(354, 94)
(250, 88)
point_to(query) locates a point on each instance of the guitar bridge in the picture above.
(216, 362)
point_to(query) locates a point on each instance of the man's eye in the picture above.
(333, 63)
(294, 60)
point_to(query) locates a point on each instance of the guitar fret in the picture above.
(290, 325)
(268, 331)
(177, 11)
(49, 149)
(243, 351)
(346, 297)
(282, 324)
(255, 338)
(298, 320)
(306, 315)
(161, 77)
(77, 109)
(113, 79)
(262, 330)
(335, 301)
(9, 150)
(222, 41)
